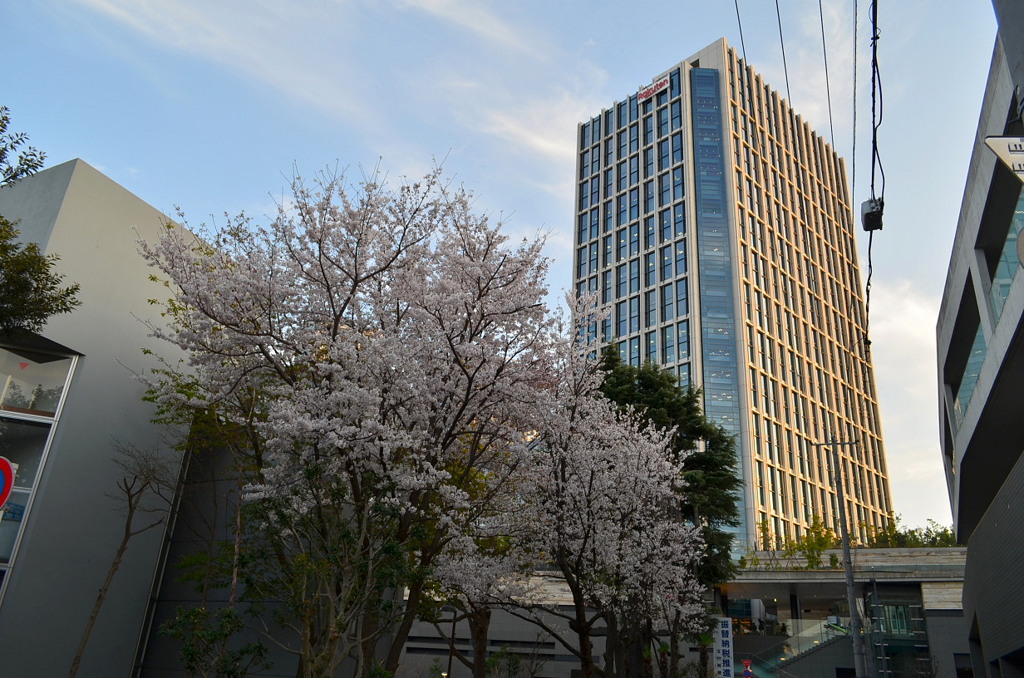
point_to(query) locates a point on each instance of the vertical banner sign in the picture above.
(722, 657)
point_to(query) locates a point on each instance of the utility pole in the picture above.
(859, 656)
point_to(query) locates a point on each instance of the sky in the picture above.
(214, 106)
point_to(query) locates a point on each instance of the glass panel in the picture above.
(1008, 265)
(714, 255)
(22, 442)
(10, 523)
(970, 379)
(652, 347)
(31, 383)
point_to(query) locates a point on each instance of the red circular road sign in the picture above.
(6, 480)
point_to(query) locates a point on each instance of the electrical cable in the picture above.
(739, 21)
(853, 151)
(828, 89)
(782, 42)
(876, 104)
(876, 158)
(745, 89)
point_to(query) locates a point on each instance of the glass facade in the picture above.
(714, 261)
(1009, 263)
(32, 385)
(971, 373)
(631, 227)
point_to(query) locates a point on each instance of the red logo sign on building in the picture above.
(652, 89)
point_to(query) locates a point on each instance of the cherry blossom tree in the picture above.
(411, 424)
(378, 353)
(601, 494)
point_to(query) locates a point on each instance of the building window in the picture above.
(651, 308)
(683, 340)
(662, 121)
(634, 351)
(682, 298)
(652, 347)
(32, 385)
(665, 223)
(1008, 265)
(971, 373)
(684, 375)
(666, 263)
(679, 219)
(649, 231)
(668, 345)
(621, 319)
(621, 281)
(667, 303)
(680, 257)
(664, 189)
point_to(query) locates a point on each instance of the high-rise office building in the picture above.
(715, 227)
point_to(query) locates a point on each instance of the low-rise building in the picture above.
(70, 400)
(792, 621)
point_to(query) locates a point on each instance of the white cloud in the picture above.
(471, 16)
(291, 49)
(903, 347)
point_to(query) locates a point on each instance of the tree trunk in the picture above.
(705, 658)
(647, 649)
(583, 629)
(134, 496)
(101, 597)
(479, 624)
(673, 649)
(401, 634)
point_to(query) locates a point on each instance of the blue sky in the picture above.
(212, 106)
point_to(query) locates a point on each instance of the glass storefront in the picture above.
(32, 386)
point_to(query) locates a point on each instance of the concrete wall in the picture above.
(993, 585)
(203, 525)
(71, 532)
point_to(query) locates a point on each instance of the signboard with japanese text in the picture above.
(1010, 151)
(722, 648)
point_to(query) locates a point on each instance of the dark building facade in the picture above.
(981, 371)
